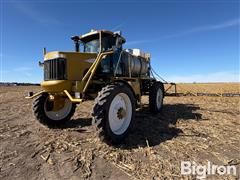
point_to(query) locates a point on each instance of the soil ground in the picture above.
(198, 129)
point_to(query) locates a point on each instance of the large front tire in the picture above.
(44, 111)
(114, 113)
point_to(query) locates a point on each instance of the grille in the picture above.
(55, 69)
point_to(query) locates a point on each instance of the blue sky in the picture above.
(189, 40)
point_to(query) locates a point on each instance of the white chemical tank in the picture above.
(139, 64)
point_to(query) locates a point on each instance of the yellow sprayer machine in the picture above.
(100, 70)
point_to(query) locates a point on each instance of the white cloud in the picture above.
(210, 77)
(117, 27)
(226, 24)
(28, 74)
(129, 43)
(5, 71)
(18, 74)
(223, 25)
(22, 69)
(3, 56)
(35, 15)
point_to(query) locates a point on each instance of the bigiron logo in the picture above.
(201, 171)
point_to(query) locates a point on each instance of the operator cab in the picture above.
(98, 41)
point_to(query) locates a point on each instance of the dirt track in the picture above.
(189, 128)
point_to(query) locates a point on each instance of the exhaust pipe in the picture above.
(76, 42)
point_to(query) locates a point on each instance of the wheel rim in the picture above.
(120, 113)
(59, 114)
(159, 98)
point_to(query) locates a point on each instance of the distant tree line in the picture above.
(18, 84)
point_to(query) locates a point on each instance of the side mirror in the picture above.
(75, 38)
(41, 64)
(119, 42)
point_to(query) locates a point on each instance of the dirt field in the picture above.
(198, 129)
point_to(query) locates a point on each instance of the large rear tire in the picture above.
(45, 114)
(156, 95)
(114, 113)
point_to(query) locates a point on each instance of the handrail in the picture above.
(114, 74)
(71, 98)
(90, 69)
(93, 68)
(34, 95)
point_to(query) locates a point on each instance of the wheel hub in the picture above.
(121, 113)
(159, 99)
(57, 109)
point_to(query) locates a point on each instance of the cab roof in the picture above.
(96, 32)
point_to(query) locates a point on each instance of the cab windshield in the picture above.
(92, 46)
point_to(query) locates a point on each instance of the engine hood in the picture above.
(70, 55)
